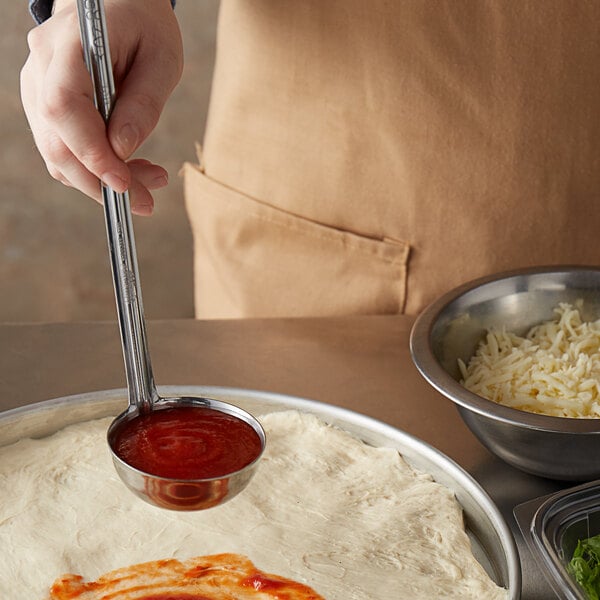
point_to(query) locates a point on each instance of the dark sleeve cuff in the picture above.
(42, 9)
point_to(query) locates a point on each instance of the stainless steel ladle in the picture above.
(143, 396)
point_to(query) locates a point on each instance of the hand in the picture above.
(58, 98)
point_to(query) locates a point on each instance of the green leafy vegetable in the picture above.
(585, 566)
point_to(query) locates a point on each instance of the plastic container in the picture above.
(552, 525)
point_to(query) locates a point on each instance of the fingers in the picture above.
(149, 174)
(145, 176)
(69, 106)
(142, 95)
(57, 96)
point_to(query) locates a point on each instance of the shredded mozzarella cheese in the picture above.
(553, 370)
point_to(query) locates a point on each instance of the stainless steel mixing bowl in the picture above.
(450, 328)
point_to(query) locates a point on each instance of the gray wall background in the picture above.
(53, 252)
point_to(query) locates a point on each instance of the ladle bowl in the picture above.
(177, 494)
(184, 494)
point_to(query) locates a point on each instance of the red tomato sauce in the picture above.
(263, 583)
(216, 577)
(188, 443)
(174, 597)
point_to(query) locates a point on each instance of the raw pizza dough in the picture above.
(351, 521)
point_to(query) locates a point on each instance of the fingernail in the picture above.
(115, 182)
(160, 181)
(127, 140)
(144, 210)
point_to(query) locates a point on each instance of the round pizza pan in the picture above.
(491, 539)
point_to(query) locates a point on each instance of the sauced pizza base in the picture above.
(217, 577)
(351, 521)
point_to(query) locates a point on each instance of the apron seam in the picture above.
(343, 235)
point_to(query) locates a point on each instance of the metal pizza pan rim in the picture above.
(491, 538)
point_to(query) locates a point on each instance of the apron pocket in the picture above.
(254, 260)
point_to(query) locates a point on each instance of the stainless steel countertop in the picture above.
(359, 363)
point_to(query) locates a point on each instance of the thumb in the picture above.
(141, 99)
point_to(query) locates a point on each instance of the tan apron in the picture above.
(366, 157)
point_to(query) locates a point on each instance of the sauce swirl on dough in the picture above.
(215, 577)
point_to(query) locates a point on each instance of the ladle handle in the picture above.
(119, 227)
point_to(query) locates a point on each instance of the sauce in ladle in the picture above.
(187, 443)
